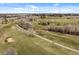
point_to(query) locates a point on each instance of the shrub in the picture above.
(68, 29)
(25, 25)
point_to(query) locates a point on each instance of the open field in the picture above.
(39, 35)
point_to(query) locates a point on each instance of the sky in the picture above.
(39, 7)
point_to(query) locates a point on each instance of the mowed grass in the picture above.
(26, 45)
(71, 41)
(23, 43)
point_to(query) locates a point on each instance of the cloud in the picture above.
(19, 8)
(27, 9)
(40, 9)
(35, 9)
(32, 8)
(66, 10)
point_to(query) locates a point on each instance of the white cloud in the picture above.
(66, 10)
(38, 9)
(61, 10)
(19, 8)
(27, 9)
(32, 8)
(56, 11)
(35, 9)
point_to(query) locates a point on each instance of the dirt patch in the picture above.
(10, 40)
(6, 38)
(13, 27)
(3, 37)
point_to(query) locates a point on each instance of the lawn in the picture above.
(27, 45)
(64, 39)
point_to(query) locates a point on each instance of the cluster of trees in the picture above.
(24, 25)
(44, 23)
(4, 20)
(67, 29)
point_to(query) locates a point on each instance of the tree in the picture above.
(4, 20)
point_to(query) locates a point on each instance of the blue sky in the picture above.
(39, 7)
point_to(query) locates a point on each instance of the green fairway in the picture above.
(24, 44)
(64, 39)
(40, 36)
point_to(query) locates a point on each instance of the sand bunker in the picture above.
(10, 40)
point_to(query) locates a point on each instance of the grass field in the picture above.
(37, 40)
(25, 44)
(71, 41)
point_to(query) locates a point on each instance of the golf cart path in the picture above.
(48, 40)
(74, 50)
